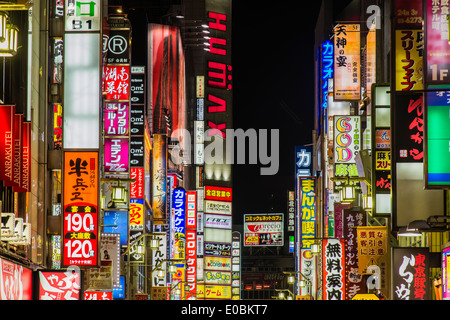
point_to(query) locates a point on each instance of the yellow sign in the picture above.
(408, 60)
(214, 292)
(365, 296)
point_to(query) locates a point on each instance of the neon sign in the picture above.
(326, 70)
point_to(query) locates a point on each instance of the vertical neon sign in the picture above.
(326, 70)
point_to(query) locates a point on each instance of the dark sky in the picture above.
(273, 87)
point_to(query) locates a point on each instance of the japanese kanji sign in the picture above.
(263, 229)
(59, 285)
(116, 81)
(372, 245)
(347, 62)
(80, 203)
(408, 60)
(306, 210)
(437, 45)
(411, 280)
(333, 269)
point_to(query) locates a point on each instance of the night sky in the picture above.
(273, 88)
(273, 83)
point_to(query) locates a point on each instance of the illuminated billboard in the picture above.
(15, 281)
(306, 208)
(347, 62)
(437, 45)
(411, 274)
(333, 269)
(347, 138)
(80, 205)
(437, 164)
(408, 60)
(263, 229)
(60, 285)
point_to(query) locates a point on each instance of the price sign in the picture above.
(80, 208)
(82, 15)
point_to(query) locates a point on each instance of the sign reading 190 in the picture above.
(80, 236)
(82, 15)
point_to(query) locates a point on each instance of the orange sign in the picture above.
(80, 205)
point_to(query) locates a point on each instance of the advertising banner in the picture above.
(408, 60)
(137, 187)
(191, 262)
(218, 277)
(347, 138)
(116, 155)
(409, 127)
(411, 274)
(217, 263)
(59, 285)
(214, 292)
(445, 265)
(159, 178)
(98, 295)
(333, 269)
(158, 257)
(80, 203)
(354, 282)
(217, 249)
(116, 118)
(15, 281)
(218, 207)
(347, 62)
(116, 81)
(218, 221)
(437, 164)
(372, 245)
(218, 193)
(308, 267)
(116, 222)
(306, 211)
(7, 113)
(437, 45)
(263, 229)
(191, 210)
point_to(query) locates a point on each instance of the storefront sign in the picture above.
(116, 115)
(218, 207)
(116, 155)
(80, 203)
(306, 210)
(116, 82)
(263, 229)
(60, 285)
(218, 193)
(347, 138)
(15, 281)
(333, 269)
(411, 279)
(408, 60)
(372, 245)
(347, 62)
